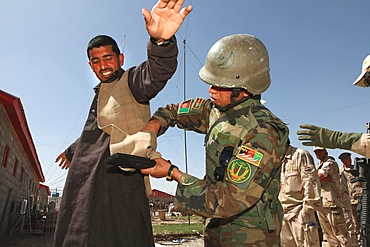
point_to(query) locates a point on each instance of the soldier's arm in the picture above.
(311, 183)
(190, 114)
(345, 193)
(244, 183)
(362, 146)
(312, 135)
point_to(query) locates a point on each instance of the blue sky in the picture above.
(316, 51)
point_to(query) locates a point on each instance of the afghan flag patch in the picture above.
(249, 155)
(184, 107)
(239, 171)
(191, 105)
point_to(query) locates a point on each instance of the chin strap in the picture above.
(233, 102)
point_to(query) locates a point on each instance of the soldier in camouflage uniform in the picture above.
(245, 144)
(312, 135)
(354, 190)
(300, 196)
(331, 214)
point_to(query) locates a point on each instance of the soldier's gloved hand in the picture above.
(312, 135)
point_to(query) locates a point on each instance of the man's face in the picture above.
(104, 62)
(320, 154)
(347, 161)
(221, 96)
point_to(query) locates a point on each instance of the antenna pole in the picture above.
(123, 44)
(185, 141)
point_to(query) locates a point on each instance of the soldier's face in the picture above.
(320, 154)
(221, 96)
(347, 161)
(104, 62)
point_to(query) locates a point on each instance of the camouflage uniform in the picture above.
(347, 210)
(331, 215)
(362, 146)
(242, 209)
(352, 192)
(300, 196)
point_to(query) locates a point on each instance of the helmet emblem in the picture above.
(226, 63)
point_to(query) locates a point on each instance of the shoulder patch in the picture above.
(184, 107)
(308, 168)
(190, 105)
(250, 155)
(197, 103)
(239, 171)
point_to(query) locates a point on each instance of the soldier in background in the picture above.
(331, 215)
(347, 205)
(300, 197)
(354, 193)
(312, 135)
(244, 145)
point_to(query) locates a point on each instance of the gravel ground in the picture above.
(191, 241)
(185, 242)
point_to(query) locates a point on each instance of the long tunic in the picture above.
(103, 205)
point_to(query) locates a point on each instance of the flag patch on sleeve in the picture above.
(249, 155)
(191, 106)
(184, 107)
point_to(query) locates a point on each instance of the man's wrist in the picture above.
(163, 42)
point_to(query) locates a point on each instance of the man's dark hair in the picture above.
(102, 40)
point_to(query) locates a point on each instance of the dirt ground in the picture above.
(40, 239)
(30, 239)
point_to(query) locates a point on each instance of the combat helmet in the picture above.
(238, 61)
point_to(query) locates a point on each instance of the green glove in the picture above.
(317, 136)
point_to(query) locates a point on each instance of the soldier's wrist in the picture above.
(170, 172)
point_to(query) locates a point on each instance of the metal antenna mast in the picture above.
(185, 141)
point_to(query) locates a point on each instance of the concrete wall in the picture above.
(17, 184)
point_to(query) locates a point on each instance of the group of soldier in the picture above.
(321, 203)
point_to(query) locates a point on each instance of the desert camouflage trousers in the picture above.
(219, 232)
(334, 227)
(294, 234)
